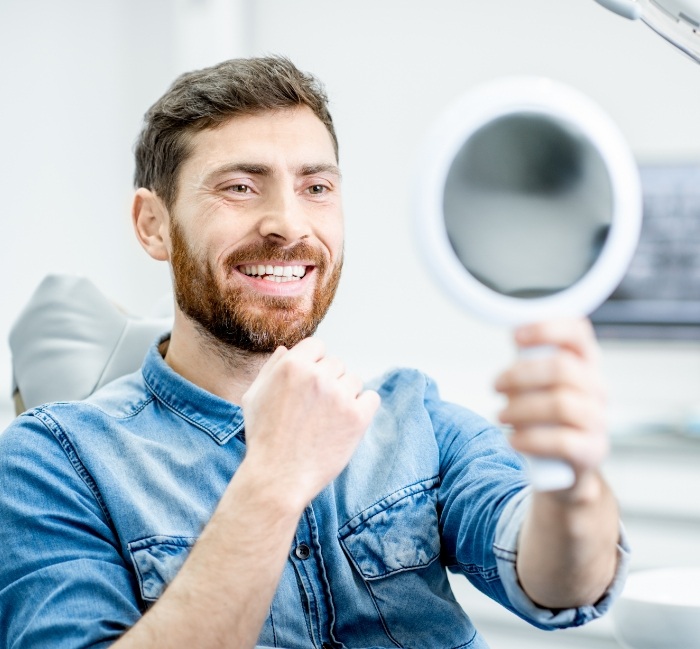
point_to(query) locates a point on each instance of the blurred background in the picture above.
(77, 77)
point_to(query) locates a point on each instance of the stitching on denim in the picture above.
(305, 600)
(468, 643)
(272, 625)
(62, 438)
(97, 407)
(311, 598)
(325, 583)
(187, 542)
(489, 574)
(140, 577)
(434, 481)
(509, 555)
(174, 541)
(182, 415)
(379, 614)
(398, 571)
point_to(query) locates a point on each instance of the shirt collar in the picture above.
(213, 415)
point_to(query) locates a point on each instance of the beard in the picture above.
(236, 316)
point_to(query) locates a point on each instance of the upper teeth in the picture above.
(275, 273)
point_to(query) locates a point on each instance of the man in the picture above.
(245, 488)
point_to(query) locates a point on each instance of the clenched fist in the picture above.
(304, 417)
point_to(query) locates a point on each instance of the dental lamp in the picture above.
(677, 21)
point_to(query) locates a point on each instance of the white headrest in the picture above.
(70, 340)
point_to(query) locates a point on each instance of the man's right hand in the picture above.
(304, 417)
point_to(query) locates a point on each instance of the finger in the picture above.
(554, 407)
(331, 367)
(274, 358)
(351, 384)
(562, 369)
(367, 404)
(580, 449)
(309, 349)
(575, 334)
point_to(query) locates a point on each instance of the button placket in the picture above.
(302, 551)
(310, 573)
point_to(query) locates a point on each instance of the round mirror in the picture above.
(530, 202)
(529, 209)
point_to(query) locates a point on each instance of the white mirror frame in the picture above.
(547, 98)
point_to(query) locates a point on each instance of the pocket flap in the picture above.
(157, 559)
(395, 535)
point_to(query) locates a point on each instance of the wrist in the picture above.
(266, 491)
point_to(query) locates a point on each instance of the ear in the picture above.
(150, 219)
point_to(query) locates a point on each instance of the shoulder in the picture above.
(410, 389)
(119, 400)
(403, 382)
(123, 397)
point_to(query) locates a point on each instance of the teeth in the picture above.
(274, 273)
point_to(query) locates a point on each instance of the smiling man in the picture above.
(244, 488)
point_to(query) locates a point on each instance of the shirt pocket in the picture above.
(395, 546)
(157, 559)
(396, 534)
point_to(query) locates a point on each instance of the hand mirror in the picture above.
(529, 208)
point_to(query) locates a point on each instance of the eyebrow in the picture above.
(255, 169)
(312, 170)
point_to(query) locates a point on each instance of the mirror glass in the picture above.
(527, 205)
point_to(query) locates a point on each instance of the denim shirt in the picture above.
(102, 500)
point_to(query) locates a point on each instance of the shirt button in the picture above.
(302, 551)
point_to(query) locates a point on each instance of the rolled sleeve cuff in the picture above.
(505, 549)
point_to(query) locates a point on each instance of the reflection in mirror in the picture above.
(528, 204)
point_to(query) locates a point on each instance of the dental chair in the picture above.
(71, 340)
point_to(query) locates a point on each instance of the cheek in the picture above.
(334, 239)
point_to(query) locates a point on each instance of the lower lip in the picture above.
(269, 287)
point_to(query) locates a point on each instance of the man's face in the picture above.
(257, 229)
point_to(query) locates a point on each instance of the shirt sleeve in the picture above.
(483, 498)
(63, 579)
(505, 549)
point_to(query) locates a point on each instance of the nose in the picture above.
(284, 217)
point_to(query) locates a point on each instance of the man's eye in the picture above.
(317, 189)
(240, 188)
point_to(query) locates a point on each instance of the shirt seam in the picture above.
(411, 490)
(155, 394)
(73, 457)
(148, 401)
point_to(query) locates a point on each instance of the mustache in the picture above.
(300, 251)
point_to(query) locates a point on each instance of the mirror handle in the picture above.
(545, 473)
(549, 474)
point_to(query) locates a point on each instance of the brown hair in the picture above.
(205, 99)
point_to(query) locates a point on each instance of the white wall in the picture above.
(78, 75)
(390, 67)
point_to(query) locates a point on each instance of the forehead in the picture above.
(288, 136)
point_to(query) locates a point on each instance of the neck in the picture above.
(213, 366)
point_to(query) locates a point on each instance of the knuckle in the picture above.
(562, 403)
(561, 368)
